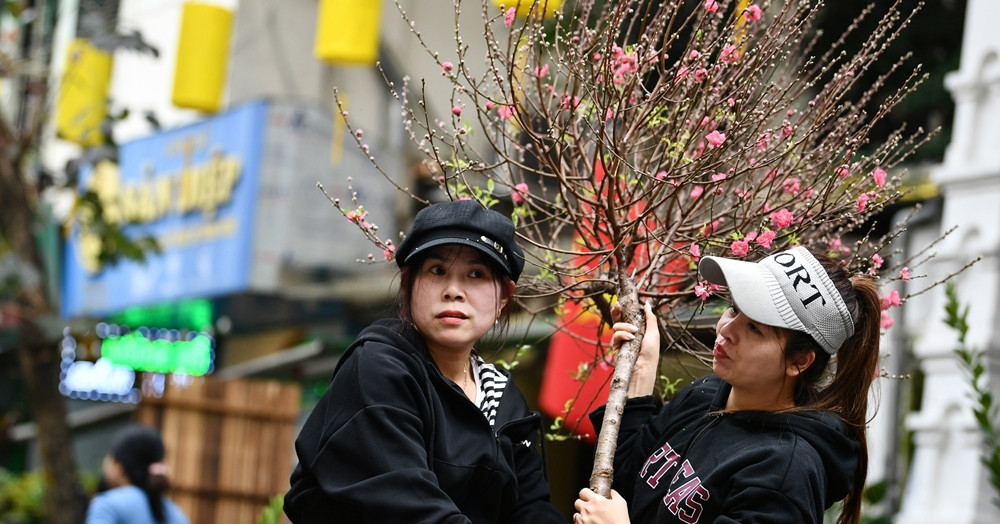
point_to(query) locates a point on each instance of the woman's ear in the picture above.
(800, 363)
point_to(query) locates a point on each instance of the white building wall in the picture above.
(947, 482)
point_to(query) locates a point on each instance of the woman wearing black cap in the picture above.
(770, 436)
(415, 426)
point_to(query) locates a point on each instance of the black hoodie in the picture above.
(690, 462)
(393, 440)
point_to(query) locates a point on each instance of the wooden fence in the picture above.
(229, 444)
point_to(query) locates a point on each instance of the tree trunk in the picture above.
(39, 356)
(604, 456)
(40, 360)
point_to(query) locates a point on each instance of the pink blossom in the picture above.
(700, 74)
(698, 150)
(863, 201)
(886, 321)
(446, 67)
(359, 133)
(682, 72)
(752, 13)
(569, 102)
(791, 186)
(694, 54)
(710, 228)
(702, 290)
(456, 110)
(609, 114)
(715, 138)
(489, 105)
(877, 261)
(842, 171)
(661, 175)
(696, 191)
(508, 18)
(364, 147)
(625, 63)
(718, 177)
(740, 248)
(782, 218)
(838, 246)
(766, 238)
(711, 6)
(540, 72)
(762, 141)
(505, 112)
(695, 251)
(519, 193)
(357, 216)
(891, 300)
(905, 274)
(729, 54)
(731, 102)
(879, 176)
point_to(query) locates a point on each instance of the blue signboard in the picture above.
(195, 189)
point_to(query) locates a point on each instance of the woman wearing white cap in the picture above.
(415, 426)
(777, 433)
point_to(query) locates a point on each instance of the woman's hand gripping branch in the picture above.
(592, 508)
(646, 364)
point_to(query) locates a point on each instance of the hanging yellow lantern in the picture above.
(347, 31)
(525, 8)
(82, 104)
(202, 56)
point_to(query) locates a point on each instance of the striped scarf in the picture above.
(490, 384)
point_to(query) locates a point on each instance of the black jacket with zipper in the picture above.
(690, 462)
(393, 440)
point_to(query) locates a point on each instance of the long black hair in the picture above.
(135, 448)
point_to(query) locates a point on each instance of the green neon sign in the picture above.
(135, 351)
(192, 314)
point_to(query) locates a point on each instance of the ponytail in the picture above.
(855, 367)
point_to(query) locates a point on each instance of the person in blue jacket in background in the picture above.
(415, 426)
(136, 479)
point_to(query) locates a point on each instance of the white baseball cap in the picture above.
(790, 289)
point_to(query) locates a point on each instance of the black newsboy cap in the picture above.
(468, 223)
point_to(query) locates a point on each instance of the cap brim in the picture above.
(440, 238)
(752, 287)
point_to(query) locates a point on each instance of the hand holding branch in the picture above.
(644, 372)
